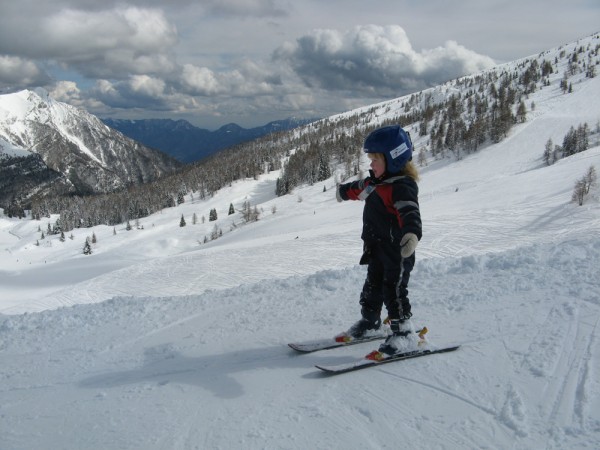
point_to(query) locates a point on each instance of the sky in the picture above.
(253, 61)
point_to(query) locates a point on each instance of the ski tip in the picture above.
(298, 348)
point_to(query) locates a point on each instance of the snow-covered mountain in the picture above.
(89, 156)
(158, 340)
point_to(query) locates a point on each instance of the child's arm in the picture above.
(406, 202)
(356, 190)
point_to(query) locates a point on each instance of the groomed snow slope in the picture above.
(213, 371)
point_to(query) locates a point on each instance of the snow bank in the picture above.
(165, 372)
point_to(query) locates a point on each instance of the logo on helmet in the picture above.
(402, 148)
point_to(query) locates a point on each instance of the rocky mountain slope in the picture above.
(88, 156)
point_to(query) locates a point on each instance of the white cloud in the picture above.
(16, 71)
(200, 80)
(66, 91)
(69, 92)
(109, 43)
(247, 78)
(139, 91)
(147, 86)
(375, 59)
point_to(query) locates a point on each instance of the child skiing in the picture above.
(391, 231)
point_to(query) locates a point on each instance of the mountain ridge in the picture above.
(188, 143)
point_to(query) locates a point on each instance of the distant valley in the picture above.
(187, 143)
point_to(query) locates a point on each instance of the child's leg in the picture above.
(403, 335)
(407, 266)
(371, 301)
(396, 273)
(371, 297)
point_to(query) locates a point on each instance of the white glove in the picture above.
(408, 244)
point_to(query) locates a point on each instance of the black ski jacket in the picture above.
(391, 207)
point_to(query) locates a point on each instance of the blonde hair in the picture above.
(409, 170)
(373, 155)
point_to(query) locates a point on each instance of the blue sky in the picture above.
(213, 62)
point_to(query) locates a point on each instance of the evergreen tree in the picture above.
(583, 186)
(231, 209)
(591, 179)
(522, 112)
(182, 221)
(215, 233)
(324, 169)
(564, 83)
(569, 146)
(57, 227)
(548, 152)
(87, 248)
(582, 138)
(249, 214)
(212, 216)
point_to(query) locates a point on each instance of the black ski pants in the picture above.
(387, 282)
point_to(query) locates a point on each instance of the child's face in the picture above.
(377, 164)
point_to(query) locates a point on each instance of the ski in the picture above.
(376, 358)
(340, 341)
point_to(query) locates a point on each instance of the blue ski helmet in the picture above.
(394, 143)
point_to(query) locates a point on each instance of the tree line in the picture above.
(576, 140)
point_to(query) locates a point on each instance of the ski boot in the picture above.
(402, 339)
(369, 322)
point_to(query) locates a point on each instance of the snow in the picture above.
(158, 340)
(7, 149)
(19, 109)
